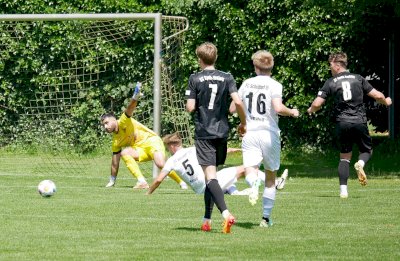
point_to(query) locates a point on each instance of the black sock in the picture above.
(343, 171)
(217, 194)
(365, 156)
(208, 203)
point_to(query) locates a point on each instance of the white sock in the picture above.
(225, 213)
(206, 219)
(231, 189)
(343, 189)
(112, 178)
(268, 201)
(361, 162)
(251, 178)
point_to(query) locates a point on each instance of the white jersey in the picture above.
(257, 94)
(184, 162)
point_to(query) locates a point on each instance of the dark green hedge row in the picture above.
(300, 34)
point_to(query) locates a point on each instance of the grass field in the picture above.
(85, 221)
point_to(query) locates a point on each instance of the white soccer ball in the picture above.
(47, 188)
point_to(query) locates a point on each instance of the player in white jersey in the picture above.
(262, 97)
(184, 162)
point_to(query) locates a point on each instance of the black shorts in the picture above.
(353, 133)
(211, 152)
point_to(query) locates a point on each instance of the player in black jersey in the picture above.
(348, 90)
(208, 97)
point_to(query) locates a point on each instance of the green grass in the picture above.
(85, 221)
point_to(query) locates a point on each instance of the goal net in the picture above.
(57, 76)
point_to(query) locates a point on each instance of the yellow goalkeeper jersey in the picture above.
(130, 133)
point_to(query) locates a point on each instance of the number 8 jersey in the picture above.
(257, 94)
(348, 90)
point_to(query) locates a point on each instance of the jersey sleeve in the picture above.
(366, 86)
(324, 91)
(276, 91)
(191, 90)
(231, 84)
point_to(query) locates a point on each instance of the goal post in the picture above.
(156, 17)
(76, 87)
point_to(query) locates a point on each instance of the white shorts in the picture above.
(262, 146)
(226, 177)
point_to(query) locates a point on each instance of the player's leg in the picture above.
(252, 157)
(209, 205)
(268, 198)
(271, 149)
(227, 178)
(345, 139)
(364, 142)
(281, 181)
(128, 155)
(211, 153)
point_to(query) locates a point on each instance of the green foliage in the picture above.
(300, 35)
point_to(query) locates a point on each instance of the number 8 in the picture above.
(346, 91)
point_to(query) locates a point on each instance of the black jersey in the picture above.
(348, 90)
(211, 90)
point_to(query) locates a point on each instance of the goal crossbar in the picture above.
(157, 17)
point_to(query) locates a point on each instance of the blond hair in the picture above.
(174, 138)
(339, 57)
(207, 52)
(263, 60)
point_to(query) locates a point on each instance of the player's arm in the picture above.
(157, 181)
(115, 164)
(232, 108)
(282, 110)
(240, 111)
(316, 105)
(380, 97)
(190, 105)
(135, 97)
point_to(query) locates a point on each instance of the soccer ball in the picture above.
(47, 188)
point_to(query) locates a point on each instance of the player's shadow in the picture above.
(246, 225)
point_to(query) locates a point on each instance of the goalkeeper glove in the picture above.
(136, 92)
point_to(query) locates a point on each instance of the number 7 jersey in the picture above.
(211, 90)
(348, 90)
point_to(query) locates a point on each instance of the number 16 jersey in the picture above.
(257, 94)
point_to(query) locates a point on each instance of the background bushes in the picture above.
(300, 35)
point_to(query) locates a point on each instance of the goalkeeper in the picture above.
(134, 142)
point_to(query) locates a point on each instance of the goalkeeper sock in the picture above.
(175, 177)
(133, 168)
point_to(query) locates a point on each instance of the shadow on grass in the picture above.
(217, 228)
